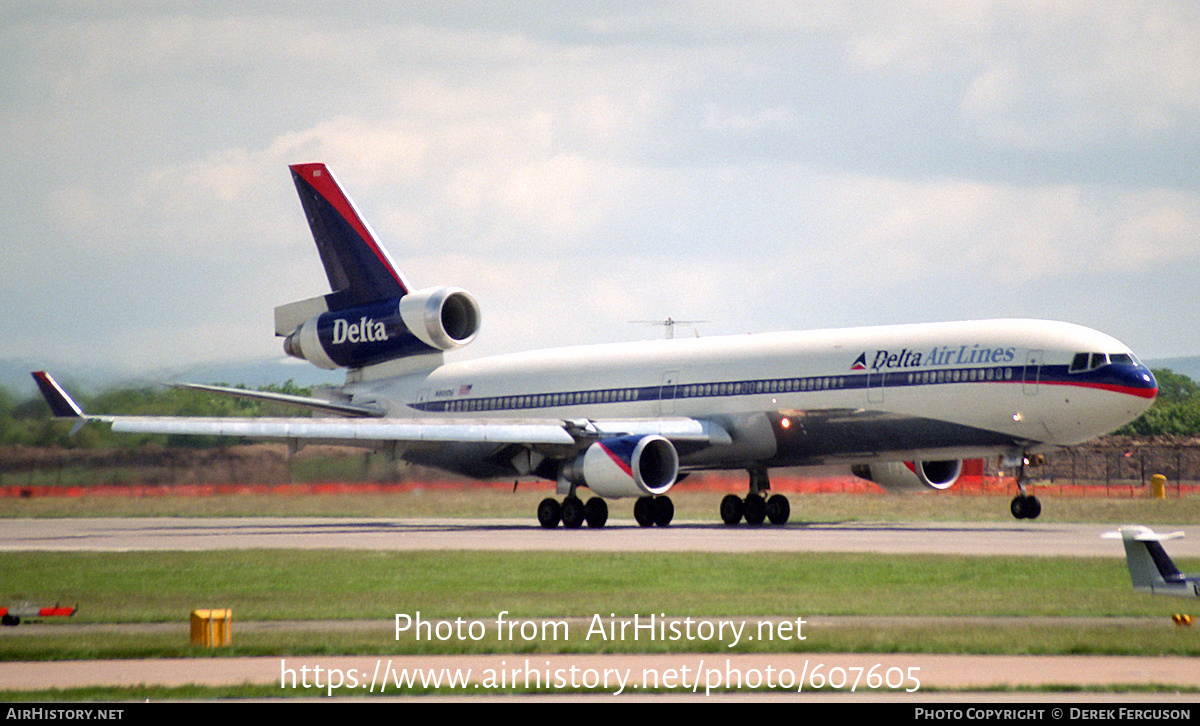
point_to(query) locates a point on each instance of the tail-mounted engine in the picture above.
(910, 476)
(426, 321)
(628, 466)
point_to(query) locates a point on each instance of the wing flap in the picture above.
(676, 429)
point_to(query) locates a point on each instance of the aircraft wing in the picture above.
(347, 430)
(359, 431)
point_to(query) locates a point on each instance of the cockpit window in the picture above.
(1091, 361)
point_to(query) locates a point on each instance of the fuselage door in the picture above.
(1033, 372)
(875, 386)
(666, 394)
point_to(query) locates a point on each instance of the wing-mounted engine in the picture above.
(626, 466)
(911, 476)
(425, 321)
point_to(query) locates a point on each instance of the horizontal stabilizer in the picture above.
(315, 404)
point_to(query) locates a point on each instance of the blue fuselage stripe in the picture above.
(1124, 379)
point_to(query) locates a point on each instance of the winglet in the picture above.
(61, 404)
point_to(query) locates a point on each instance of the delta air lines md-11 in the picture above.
(901, 405)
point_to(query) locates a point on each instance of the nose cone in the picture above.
(1152, 384)
(1139, 383)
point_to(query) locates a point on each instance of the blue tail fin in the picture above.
(373, 316)
(358, 268)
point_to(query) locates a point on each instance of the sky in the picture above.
(577, 166)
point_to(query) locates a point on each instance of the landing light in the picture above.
(785, 422)
(1017, 417)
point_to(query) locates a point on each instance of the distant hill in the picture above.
(1188, 366)
(14, 376)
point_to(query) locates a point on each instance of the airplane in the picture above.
(1150, 568)
(901, 405)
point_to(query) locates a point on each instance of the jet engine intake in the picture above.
(910, 476)
(441, 317)
(626, 466)
(427, 321)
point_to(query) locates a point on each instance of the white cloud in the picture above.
(765, 166)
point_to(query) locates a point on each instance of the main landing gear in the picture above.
(573, 513)
(756, 507)
(649, 511)
(1025, 505)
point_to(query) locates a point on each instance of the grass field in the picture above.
(280, 585)
(903, 604)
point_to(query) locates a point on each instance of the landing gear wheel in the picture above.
(754, 509)
(643, 511)
(731, 509)
(572, 513)
(1032, 507)
(1017, 507)
(1025, 507)
(778, 509)
(664, 511)
(595, 512)
(549, 513)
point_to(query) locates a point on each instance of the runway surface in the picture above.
(910, 674)
(198, 534)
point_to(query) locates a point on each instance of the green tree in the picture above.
(1176, 411)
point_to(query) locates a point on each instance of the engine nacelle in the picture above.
(441, 317)
(910, 476)
(422, 322)
(627, 466)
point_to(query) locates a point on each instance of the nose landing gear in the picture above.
(1025, 505)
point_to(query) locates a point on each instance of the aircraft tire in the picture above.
(572, 512)
(778, 509)
(549, 513)
(643, 511)
(1033, 507)
(595, 512)
(1017, 507)
(754, 509)
(664, 511)
(731, 509)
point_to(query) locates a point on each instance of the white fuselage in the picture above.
(945, 390)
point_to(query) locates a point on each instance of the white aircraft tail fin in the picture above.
(1150, 568)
